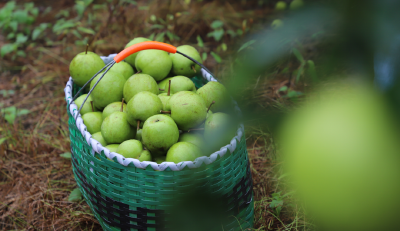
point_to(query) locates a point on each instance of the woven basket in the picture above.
(126, 194)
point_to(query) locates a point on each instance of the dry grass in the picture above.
(35, 181)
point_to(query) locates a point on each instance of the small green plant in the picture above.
(10, 113)
(163, 29)
(17, 22)
(306, 68)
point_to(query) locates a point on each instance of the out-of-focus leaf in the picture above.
(151, 37)
(204, 56)
(231, 33)
(80, 8)
(160, 37)
(224, 46)
(283, 88)
(76, 33)
(21, 53)
(2, 140)
(10, 36)
(23, 112)
(38, 30)
(9, 114)
(246, 45)
(157, 26)
(170, 35)
(21, 38)
(216, 57)
(217, 24)
(13, 25)
(86, 30)
(66, 155)
(75, 195)
(217, 34)
(7, 48)
(199, 41)
(129, 1)
(298, 55)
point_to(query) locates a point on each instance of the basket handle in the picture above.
(144, 46)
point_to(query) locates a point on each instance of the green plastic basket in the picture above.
(134, 197)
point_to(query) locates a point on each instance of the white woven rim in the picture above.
(97, 147)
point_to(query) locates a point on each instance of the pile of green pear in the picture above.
(147, 107)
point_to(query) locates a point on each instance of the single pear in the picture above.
(139, 134)
(84, 66)
(215, 91)
(113, 107)
(183, 151)
(181, 83)
(116, 129)
(280, 5)
(130, 149)
(159, 133)
(108, 90)
(145, 155)
(138, 83)
(112, 148)
(123, 68)
(131, 58)
(93, 121)
(97, 136)
(155, 63)
(143, 105)
(163, 85)
(219, 130)
(184, 66)
(159, 159)
(87, 107)
(187, 109)
(277, 23)
(193, 137)
(165, 101)
(296, 4)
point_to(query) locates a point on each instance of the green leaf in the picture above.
(86, 30)
(216, 57)
(80, 8)
(160, 37)
(2, 140)
(283, 88)
(200, 41)
(9, 114)
(151, 37)
(21, 53)
(35, 12)
(217, 34)
(157, 26)
(217, 24)
(13, 25)
(224, 46)
(76, 33)
(247, 44)
(62, 25)
(231, 33)
(170, 36)
(21, 38)
(38, 30)
(298, 55)
(66, 155)
(23, 112)
(10, 36)
(8, 48)
(153, 18)
(129, 1)
(75, 195)
(204, 56)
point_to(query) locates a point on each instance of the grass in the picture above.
(35, 181)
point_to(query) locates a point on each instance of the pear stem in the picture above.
(138, 72)
(165, 112)
(196, 129)
(122, 105)
(91, 103)
(210, 105)
(161, 89)
(194, 69)
(138, 125)
(87, 47)
(169, 88)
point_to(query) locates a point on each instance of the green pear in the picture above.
(97, 136)
(194, 138)
(143, 105)
(139, 134)
(159, 159)
(112, 148)
(108, 90)
(184, 66)
(214, 91)
(277, 23)
(145, 155)
(163, 85)
(130, 149)
(159, 133)
(183, 151)
(84, 66)
(138, 83)
(116, 129)
(155, 63)
(113, 107)
(87, 107)
(187, 109)
(164, 97)
(219, 130)
(93, 121)
(123, 68)
(131, 58)
(181, 83)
